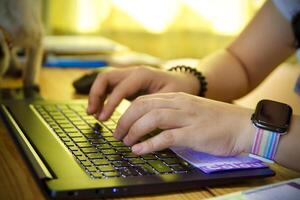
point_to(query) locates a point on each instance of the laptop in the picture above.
(72, 155)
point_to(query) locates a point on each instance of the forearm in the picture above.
(261, 47)
(288, 152)
(227, 79)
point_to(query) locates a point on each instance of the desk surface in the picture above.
(16, 181)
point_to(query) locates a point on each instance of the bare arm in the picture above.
(288, 152)
(264, 44)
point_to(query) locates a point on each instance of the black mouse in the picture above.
(84, 83)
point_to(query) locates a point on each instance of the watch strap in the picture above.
(265, 145)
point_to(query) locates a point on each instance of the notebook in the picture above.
(72, 155)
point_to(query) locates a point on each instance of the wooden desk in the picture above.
(16, 181)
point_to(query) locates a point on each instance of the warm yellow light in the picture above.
(155, 16)
(226, 17)
(91, 14)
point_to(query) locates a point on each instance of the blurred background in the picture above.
(167, 29)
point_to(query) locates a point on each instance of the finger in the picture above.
(99, 89)
(155, 119)
(166, 139)
(136, 110)
(162, 94)
(128, 87)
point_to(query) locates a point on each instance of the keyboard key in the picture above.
(91, 121)
(67, 125)
(100, 162)
(103, 146)
(123, 149)
(159, 166)
(84, 144)
(111, 174)
(81, 157)
(97, 141)
(165, 154)
(179, 168)
(86, 163)
(77, 153)
(106, 168)
(114, 157)
(111, 139)
(108, 151)
(120, 163)
(91, 169)
(136, 161)
(149, 157)
(128, 171)
(95, 155)
(70, 130)
(129, 155)
(73, 148)
(91, 136)
(97, 174)
(69, 144)
(79, 139)
(55, 127)
(62, 135)
(65, 139)
(148, 169)
(118, 144)
(74, 135)
(84, 127)
(88, 118)
(141, 170)
(89, 131)
(55, 113)
(62, 121)
(171, 161)
(89, 150)
(75, 119)
(79, 123)
(60, 117)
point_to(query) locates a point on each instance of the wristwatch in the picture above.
(271, 120)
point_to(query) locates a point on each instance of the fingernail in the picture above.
(125, 141)
(116, 135)
(101, 116)
(137, 149)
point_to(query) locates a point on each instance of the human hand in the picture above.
(129, 82)
(187, 121)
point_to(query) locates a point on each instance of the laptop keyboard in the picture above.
(102, 156)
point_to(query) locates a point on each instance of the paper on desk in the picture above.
(209, 163)
(287, 190)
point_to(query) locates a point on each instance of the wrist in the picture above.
(193, 75)
(246, 132)
(272, 121)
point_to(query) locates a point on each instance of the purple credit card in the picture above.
(209, 163)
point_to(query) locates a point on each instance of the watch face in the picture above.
(272, 115)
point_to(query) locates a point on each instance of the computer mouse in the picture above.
(83, 84)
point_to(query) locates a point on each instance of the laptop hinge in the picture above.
(35, 160)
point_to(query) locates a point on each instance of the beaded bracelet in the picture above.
(196, 73)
